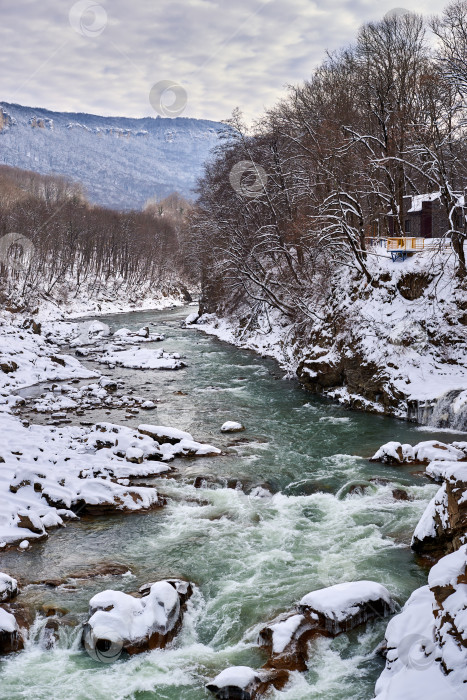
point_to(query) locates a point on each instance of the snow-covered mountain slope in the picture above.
(120, 162)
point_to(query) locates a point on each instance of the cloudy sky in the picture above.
(104, 57)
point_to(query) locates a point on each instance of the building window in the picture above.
(407, 226)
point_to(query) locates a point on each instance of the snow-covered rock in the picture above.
(10, 635)
(346, 605)
(232, 427)
(8, 587)
(27, 358)
(142, 358)
(427, 643)
(164, 433)
(90, 333)
(191, 319)
(99, 394)
(244, 683)
(134, 624)
(422, 453)
(443, 525)
(328, 611)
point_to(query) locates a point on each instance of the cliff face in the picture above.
(121, 162)
(443, 527)
(5, 120)
(396, 346)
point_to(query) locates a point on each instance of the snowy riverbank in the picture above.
(71, 464)
(51, 472)
(396, 347)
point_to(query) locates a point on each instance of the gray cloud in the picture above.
(224, 53)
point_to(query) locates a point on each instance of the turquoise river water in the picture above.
(250, 557)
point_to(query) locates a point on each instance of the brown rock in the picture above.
(401, 495)
(412, 285)
(26, 522)
(8, 367)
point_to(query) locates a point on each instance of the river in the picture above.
(250, 557)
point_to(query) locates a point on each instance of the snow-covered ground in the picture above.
(112, 298)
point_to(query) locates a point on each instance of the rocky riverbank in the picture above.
(426, 645)
(51, 474)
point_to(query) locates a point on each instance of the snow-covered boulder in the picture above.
(232, 426)
(142, 358)
(90, 333)
(121, 621)
(164, 433)
(175, 442)
(443, 525)
(286, 640)
(8, 588)
(426, 643)
(191, 319)
(344, 606)
(10, 635)
(126, 337)
(422, 453)
(329, 611)
(244, 683)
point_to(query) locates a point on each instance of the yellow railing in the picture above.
(410, 244)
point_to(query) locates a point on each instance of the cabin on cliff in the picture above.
(424, 216)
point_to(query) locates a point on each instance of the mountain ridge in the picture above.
(121, 162)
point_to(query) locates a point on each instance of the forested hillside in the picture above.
(58, 250)
(120, 162)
